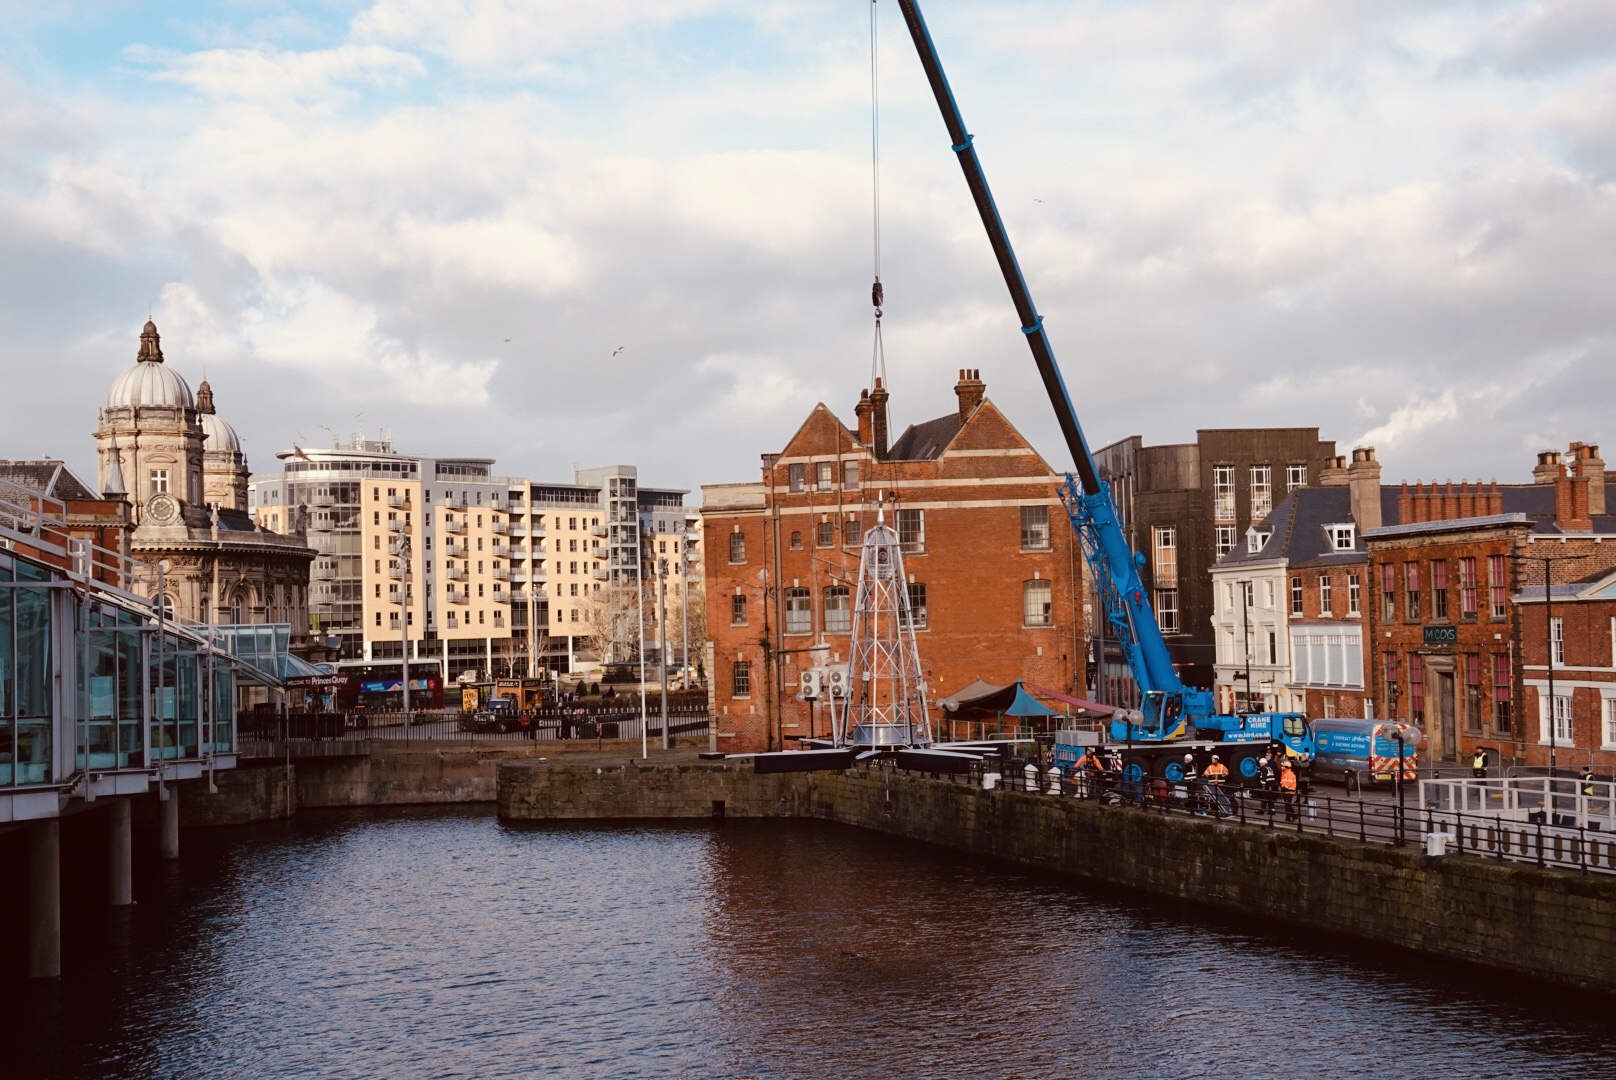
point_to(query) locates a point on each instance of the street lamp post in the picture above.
(1548, 638)
(404, 621)
(1245, 635)
(639, 594)
(662, 643)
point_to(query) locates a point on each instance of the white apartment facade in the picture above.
(487, 573)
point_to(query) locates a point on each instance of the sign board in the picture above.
(468, 699)
(1441, 635)
(321, 682)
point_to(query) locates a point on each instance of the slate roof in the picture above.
(52, 479)
(1297, 524)
(927, 441)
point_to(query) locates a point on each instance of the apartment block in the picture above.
(1186, 505)
(487, 573)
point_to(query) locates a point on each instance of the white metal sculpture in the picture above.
(885, 704)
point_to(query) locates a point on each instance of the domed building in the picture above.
(180, 468)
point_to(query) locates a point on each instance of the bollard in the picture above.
(1030, 776)
(990, 781)
(1436, 843)
(1053, 776)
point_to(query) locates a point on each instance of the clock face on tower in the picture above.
(162, 510)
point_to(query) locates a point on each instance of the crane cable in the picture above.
(878, 358)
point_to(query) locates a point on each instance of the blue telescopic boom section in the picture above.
(1104, 543)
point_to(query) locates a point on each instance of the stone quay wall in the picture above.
(1550, 925)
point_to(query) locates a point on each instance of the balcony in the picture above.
(518, 552)
(600, 573)
(322, 572)
(518, 576)
(323, 500)
(398, 573)
(519, 596)
(454, 525)
(454, 551)
(501, 596)
(456, 573)
(456, 502)
(537, 529)
(397, 525)
(499, 526)
(395, 545)
(458, 597)
(499, 621)
(396, 501)
(539, 575)
(598, 530)
(501, 574)
(321, 523)
(540, 550)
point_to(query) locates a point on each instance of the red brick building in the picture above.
(70, 512)
(991, 561)
(1578, 722)
(1448, 644)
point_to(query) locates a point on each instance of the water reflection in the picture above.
(436, 942)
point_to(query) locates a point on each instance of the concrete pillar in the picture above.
(168, 824)
(45, 900)
(120, 846)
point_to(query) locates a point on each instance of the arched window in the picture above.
(238, 606)
(167, 605)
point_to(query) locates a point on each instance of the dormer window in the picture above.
(1257, 539)
(1342, 537)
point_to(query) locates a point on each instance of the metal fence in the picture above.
(453, 725)
(1453, 830)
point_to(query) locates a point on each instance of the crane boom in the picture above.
(1087, 498)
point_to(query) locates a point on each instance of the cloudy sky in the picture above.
(1391, 219)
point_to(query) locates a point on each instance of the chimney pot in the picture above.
(970, 391)
(1363, 480)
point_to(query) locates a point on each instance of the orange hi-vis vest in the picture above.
(1287, 781)
(1217, 772)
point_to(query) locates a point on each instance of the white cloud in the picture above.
(1248, 214)
(268, 75)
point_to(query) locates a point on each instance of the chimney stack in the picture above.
(1548, 468)
(970, 390)
(878, 420)
(1363, 478)
(1334, 473)
(1591, 468)
(1571, 505)
(863, 410)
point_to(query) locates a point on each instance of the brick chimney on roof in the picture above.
(1571, 504)
(878, 420)
(970, 390)
(1590, 468)
(1548, 468)
(1334, 473)
(1363, 477)
(864, 410)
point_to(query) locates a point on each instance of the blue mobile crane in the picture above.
(1170, 713)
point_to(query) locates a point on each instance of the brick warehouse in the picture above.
(991, 561)
(1449, 643)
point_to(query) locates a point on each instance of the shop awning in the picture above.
(983, 699)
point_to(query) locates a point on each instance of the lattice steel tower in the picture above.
(886, 695)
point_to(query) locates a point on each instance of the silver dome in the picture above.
(150, 384)
(219, 434)
(150, 381)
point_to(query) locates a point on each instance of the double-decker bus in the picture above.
(377, 685)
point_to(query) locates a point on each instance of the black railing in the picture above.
(563, 723)
(1386, 822)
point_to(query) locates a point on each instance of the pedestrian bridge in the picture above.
(104, 697)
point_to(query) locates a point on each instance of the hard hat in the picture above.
(1214, 757)
(1189, 757)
